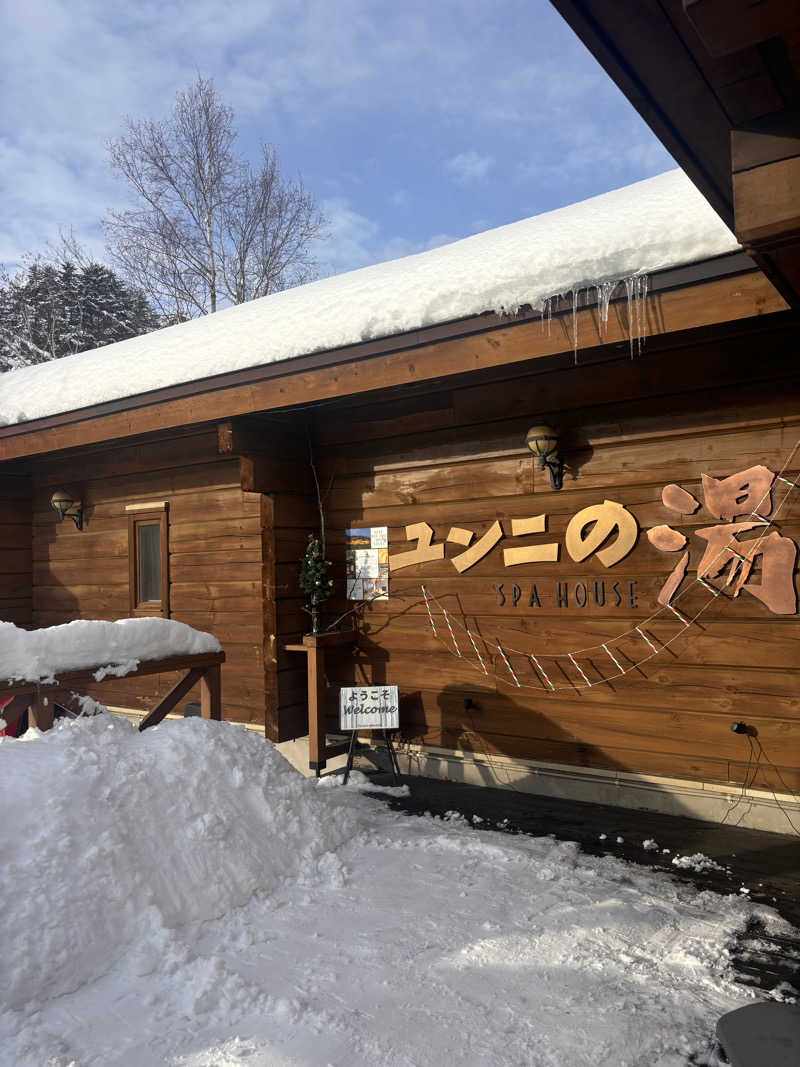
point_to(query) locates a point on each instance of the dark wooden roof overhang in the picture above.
(725, 290)
(718, 82)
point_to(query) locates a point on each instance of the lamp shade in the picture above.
(541, 440)
(61, 502)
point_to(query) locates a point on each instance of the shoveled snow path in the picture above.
(412, 941)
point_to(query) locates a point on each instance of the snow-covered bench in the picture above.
(42, 668)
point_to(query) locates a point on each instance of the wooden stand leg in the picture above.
(350, 753)
(393, 763)
(40, 714)
(211, 693)
(316, 709)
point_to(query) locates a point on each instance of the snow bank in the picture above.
(184, 897)
(653, 225)
(38, 655)
(111, 837)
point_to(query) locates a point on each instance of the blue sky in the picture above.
(412, 123)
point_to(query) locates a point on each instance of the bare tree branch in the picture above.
(209, 229)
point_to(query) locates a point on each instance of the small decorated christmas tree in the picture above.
(314, 580)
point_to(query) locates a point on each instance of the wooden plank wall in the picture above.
(456, 457)
(15, 545)
(216, 562)
(275, 463)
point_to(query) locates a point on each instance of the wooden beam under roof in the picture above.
(727, 26)
(703, 74)
(310, 380)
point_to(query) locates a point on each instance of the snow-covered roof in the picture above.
(653, 225)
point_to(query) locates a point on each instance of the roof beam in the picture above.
(726, 26)
(723, 300)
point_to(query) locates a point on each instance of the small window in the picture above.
(148, 562)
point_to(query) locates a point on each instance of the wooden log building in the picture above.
(197, 497)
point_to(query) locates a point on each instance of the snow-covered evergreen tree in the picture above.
(49, 310)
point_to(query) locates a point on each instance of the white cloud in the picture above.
(468, 167)
(356, 241)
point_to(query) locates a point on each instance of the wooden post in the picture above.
(211, 693)
(316, 704)
(165, 706)
(40, 711)
(313, 647)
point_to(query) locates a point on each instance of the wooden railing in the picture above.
(39, 698)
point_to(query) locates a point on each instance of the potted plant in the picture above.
(314, 580)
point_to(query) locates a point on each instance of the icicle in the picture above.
(547, 313)
(636, 287)
(604, 291)
(577, 667)
(543, 672)
(576, 293)
(643, 286)
(629, 290)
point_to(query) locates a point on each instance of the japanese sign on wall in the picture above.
(367, 563)
(610, 532)
(369, 707)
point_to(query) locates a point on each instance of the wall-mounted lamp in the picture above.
(543, 442)
(63, 505)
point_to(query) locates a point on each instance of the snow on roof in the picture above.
(653, 225)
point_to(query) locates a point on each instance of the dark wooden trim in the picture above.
(631, 39)
(767, 140)
(728, 26)
(149, 517)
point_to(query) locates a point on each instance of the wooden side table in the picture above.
(315, 646)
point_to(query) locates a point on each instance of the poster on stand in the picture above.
(367, 563)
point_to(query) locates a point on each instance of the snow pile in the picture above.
(38, 655)
(134, 834)
(699, 862)
(653, 225)
(183, 897)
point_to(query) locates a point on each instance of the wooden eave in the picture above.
(718, 82)
(724, 290)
